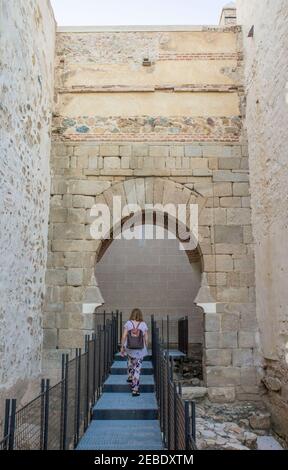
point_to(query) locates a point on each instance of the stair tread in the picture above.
(123, 365)
(123, 401)
(117, 435)
(122, 380)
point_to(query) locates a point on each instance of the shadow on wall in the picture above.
(154, 275)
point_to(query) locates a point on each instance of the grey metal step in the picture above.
(118, 384)
(116, 435)
(120, 368)
(118, 357)
(122, 406)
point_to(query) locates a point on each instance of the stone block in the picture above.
(222, 189)
(176, 151)
(230, 322)
(222, 376)
(229, 163)
(112, 163)
(220, 216)
(93, 163)
(233, 294)
(57, 214)
(213, 322)
(248, 234)
(224, 234)
(109, 150)
(58, 186)
(227, 249)
(200, 163)
(222, 394)
(125, 163)
(76, 245)
(88, 187)
(194, 393)
(49, 319)
(140, 191)
(56, 277)
(71, 338)
(245, 264)
(203, 172)
(246, 339)
(50, 338)
(230, 176)
(224, 263)
(130, 191)
(226, 340)
(212, 150)
(230, 202)
(193, 151)
(213, 163)
(204, 189)
(218, 357)
(239, 216)
(125, 151)
(76, 216)
(73, 260)
(75, 277)
(242, 357)
(140, 150)
(159, 151)
(68, 231)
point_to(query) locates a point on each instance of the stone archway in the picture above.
(140, 191)
(154, 191)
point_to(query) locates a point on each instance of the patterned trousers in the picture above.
(134, 371)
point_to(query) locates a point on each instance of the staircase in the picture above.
(123, 422)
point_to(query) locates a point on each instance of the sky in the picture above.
(137, 12)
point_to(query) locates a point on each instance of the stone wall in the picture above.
(27, 43)
(266, 72)
(154, 116)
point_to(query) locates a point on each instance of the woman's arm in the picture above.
(146, 338)
(123, 339)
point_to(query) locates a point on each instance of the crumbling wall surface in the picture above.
(27, 39)
(266, 74)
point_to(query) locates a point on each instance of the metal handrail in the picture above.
(60, 415)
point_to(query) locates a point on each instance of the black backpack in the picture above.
(135, 338)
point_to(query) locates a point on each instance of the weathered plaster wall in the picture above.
(27, 39)
(266, 72)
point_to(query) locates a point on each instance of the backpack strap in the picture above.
(137, 327)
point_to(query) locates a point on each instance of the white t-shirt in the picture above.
(136, 353)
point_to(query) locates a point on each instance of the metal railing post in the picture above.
(65, 402)
(77, 396)
(175, 418)
(87, 350)
(187, 425)
(193, 421)
(12, 422)
(46, 415)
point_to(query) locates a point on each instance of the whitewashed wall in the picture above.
(27, 38)
(266, 71)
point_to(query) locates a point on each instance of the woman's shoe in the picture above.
(135, 394)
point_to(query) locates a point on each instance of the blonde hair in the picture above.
(136, 314)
